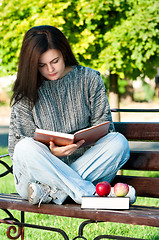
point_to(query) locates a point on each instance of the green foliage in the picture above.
(132, 46)
(122, 84)
(116, 35)
(149, 92)
(16, 18)
(145, 93)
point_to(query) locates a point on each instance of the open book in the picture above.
(90, 135)
(96, 202)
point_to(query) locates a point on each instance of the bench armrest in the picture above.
(9, 168)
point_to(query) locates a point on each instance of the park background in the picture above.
(119, 38)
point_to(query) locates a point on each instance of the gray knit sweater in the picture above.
(76, 101)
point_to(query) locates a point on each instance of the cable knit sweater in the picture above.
(76, 101)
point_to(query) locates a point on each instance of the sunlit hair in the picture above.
(37, 41)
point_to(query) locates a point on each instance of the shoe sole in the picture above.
(30, 192)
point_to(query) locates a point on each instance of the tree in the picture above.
(121, 36)
(135, 46)
(127, 42)
(16, 18)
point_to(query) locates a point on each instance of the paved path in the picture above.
(142, 146)
(4, 136)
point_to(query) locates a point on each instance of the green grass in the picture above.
(70, 225)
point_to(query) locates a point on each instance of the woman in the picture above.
(53, 92)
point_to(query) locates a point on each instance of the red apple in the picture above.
(121, 189)
(103, 188)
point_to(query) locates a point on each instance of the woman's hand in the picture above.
(64, 150)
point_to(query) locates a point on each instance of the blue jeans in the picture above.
(33, 161)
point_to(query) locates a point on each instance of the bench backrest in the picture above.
(141, 160)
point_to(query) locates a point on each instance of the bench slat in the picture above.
(141, 160)
(145, 186)
(139, 215)
(145, 131)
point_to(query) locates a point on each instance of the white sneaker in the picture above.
(131, 194)
(40, 193)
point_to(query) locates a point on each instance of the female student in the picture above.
(53, 92)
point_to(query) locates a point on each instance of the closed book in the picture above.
(96, 202)
(90, 135)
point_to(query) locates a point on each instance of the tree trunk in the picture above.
(114, 100)
(114, 96)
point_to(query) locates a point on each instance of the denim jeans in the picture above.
(33, 161)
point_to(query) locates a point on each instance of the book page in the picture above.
(60, 139)
(92, 134)
(60, 134)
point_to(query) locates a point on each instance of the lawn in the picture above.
(70, 225)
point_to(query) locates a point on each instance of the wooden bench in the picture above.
(136, 215)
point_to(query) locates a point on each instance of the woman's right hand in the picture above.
(64, 150)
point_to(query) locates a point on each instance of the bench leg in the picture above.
(22, 228)
(13, 221)
(83, 224)
(10, 220)
(81, 227)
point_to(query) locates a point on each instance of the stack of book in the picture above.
(96, 202)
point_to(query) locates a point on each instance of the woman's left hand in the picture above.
(64, 150)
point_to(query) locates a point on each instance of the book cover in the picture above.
(96, 202)
(90, 135)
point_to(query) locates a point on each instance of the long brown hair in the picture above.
(36, 41)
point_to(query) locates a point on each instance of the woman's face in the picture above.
(52, 65)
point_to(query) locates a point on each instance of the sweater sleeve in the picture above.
(100, 108)
(21, 124)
